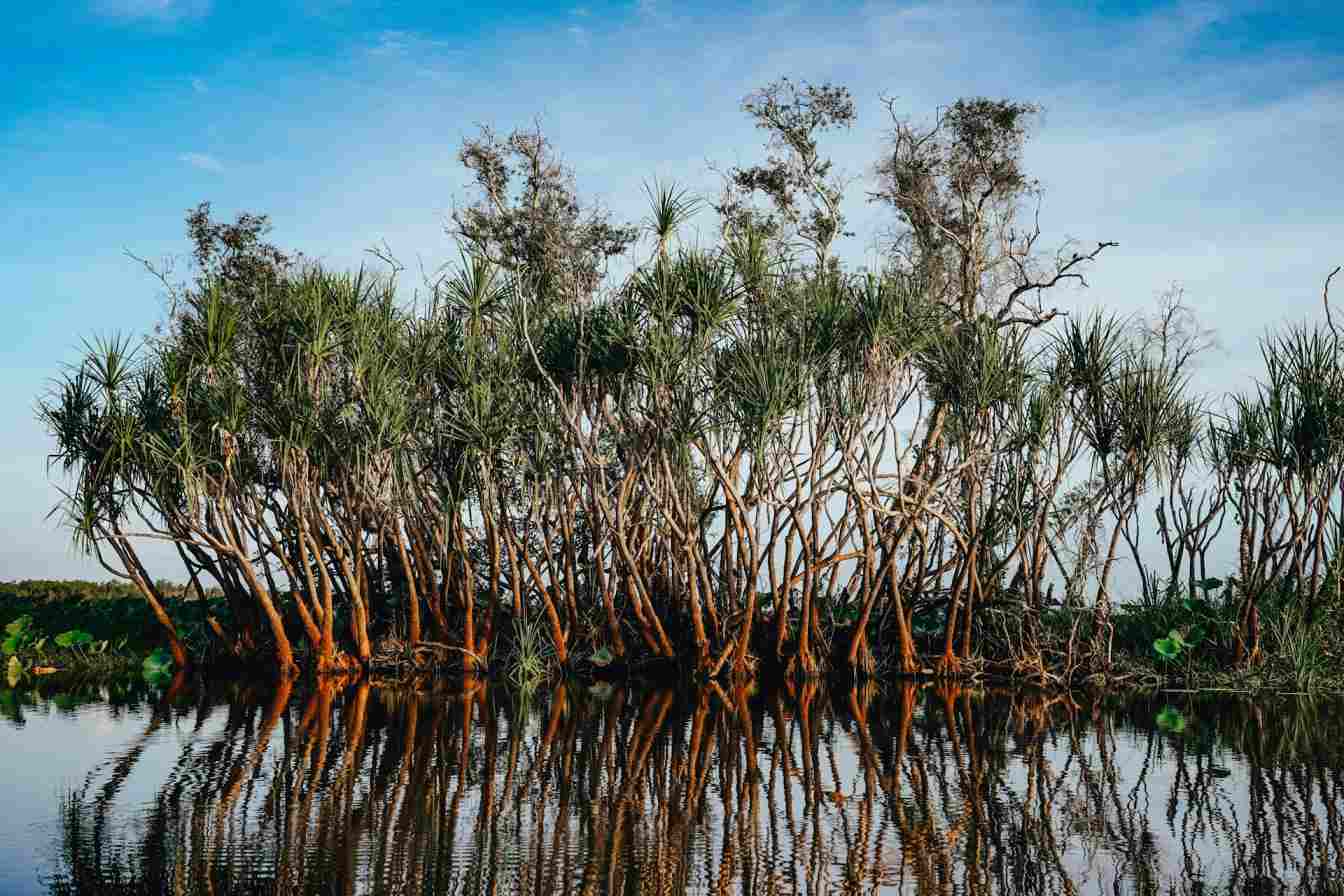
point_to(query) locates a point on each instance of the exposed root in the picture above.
(947, 666)
(802, 666)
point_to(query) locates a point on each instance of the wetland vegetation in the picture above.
(612, 448)
(684, 555)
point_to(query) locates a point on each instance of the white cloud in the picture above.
(162, 11)
(199, 86)
(579, 34)
(203, 161)
(401, 44)
(1209, 169)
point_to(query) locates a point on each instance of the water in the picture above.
(360, 789)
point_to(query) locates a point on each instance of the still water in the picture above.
(359, 789)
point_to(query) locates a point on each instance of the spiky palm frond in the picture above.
(670, 208)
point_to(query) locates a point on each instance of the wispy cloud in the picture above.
(203, 161)
(199, 86)
(405, 43)
(160, 11)
(579, 33)
(1204, 159)
(325, 8)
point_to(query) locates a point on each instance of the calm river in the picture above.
(360, 789)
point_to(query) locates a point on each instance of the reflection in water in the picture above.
(918, 790)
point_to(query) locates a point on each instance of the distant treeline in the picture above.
(742, 451)
(74, 589)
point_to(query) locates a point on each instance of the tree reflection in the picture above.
(349, 789)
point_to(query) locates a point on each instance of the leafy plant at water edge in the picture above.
(530, 654)
(1175, 644)
(157, 667)
(1300, 643)
(19, 634)
(75, 639)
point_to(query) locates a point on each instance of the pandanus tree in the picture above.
(732, 453)
(975, 369)
(1135, 418)
(871, 389)
(1281, 450)
(95, 414)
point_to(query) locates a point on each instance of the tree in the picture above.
(798, 181)
(528, 219)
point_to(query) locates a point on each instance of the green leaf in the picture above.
(20, 625)
(11, 645)
(602, 657)
(73, 638)
(158, 663)
(1198, 606)
(1171, 720)
(1210, 584)
(1196, 634)
(1167, 648)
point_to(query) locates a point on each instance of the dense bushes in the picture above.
(739, 452)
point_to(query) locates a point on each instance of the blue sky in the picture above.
(1204, 137)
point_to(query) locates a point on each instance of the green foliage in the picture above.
(688, 424)
(530, 662)
(1170, 627)
(157, 666)
(1171, 720)
(19, 634)
(74, 638)
(1176, 643)
(1300, 644)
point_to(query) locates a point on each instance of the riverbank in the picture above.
(101, 631)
